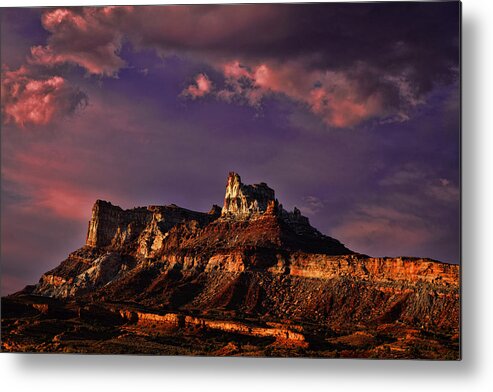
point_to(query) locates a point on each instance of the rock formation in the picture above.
(251, 260)
(245, 201)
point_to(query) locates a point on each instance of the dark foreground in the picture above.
(40, 324)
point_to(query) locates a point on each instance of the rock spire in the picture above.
(243, 200)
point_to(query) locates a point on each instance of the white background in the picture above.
(26, 372)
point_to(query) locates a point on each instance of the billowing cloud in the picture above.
(243, 84)
(333, 96)
(201, 87)
(84, 36)
(31, 99)
(91, 37)
(345, 76)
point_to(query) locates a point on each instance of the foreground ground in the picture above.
(38, 324)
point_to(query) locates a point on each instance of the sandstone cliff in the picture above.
(243, 201)
(252, 258)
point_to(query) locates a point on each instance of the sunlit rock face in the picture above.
(111, 225)
(243, 201)
(251, 232)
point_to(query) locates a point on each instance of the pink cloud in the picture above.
(250, 84)
(29, 99)
(343, 108)
(332, 96)
(201, 87)
(92, 37)
(43, 178)
(234, 70)
(61, 175)
(88, 38)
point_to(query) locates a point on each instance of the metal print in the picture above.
(124, 134)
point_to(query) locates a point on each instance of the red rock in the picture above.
(257, 260)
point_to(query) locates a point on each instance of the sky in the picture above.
(351, 112)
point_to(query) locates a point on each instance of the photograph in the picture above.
(239, 180)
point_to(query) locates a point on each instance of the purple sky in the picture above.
(350, 112)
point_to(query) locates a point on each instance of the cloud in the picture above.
(31, 99)
(423, 181)
(201, 87)
(311, 205)
(332, 96)
(92, 37)
(346, 65)
(408, 213)
(385, 226)
(443, 190)
(243, 84)
(43, 176)
(88, 37)
(408, 174)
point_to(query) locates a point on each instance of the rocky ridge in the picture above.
(249, 260)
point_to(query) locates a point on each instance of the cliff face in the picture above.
(252, 236)
(112, 226)
(253, 258)
(243, 201)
